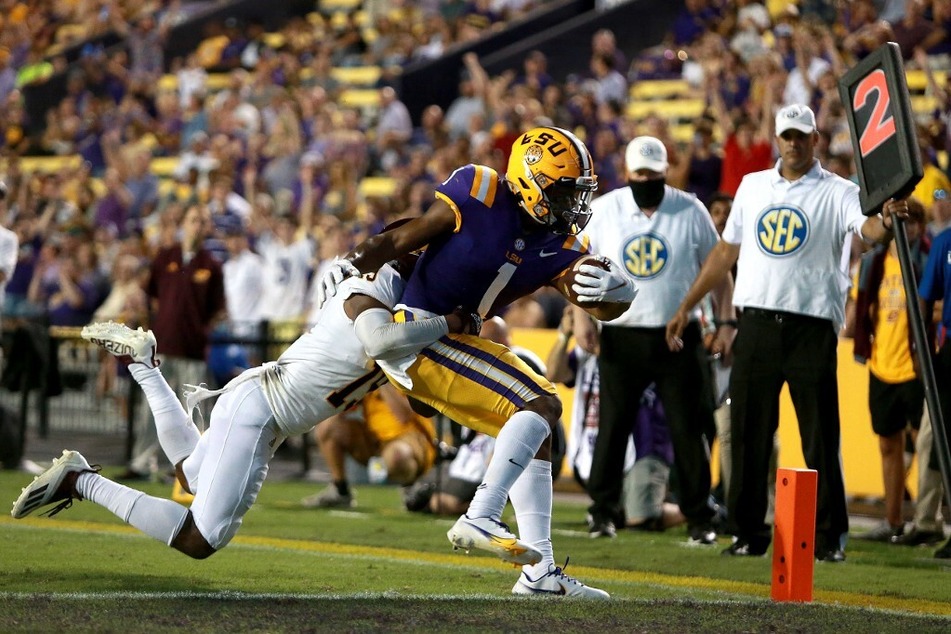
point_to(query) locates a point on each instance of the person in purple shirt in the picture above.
(70, 297)
(16, 302)
(112, 210)
(696, 18)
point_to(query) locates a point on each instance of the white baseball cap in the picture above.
(795, 117)
(646, 152)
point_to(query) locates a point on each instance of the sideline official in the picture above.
(786, 234)
(661, 235)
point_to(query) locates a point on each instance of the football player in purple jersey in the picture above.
(489, 239)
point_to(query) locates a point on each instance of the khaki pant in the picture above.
(930, 487)
(722, 416)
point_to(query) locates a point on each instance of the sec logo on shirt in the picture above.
(645, 255)
(782, 230)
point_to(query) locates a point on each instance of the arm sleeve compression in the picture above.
(384, 339)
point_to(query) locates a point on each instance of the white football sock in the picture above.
(516, 445)
(177, 434)
(156, 517)
(531, 497)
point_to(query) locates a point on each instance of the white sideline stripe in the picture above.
(565, 532)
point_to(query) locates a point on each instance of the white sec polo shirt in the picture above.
(662, 253)
(791, 236)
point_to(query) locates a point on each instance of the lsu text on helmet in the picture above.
(551, 173)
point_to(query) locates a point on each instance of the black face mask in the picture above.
(647, 194)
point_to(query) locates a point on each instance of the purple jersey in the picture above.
(496, 254)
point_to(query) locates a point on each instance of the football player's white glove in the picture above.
(595, 284)
(339, 270)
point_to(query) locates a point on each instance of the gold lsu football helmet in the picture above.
(551, 173)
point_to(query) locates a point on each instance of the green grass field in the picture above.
(379, 568)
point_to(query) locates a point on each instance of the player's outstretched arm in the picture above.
(385, 339)
(377, 250)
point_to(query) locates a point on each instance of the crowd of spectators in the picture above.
(256, 124)
(256, 127)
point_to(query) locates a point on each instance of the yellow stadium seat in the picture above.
(166, 186)
(673, 109)
(923, 104)
(164, 166)
(98, 187)
(377, 187)
(356, 75)
(682, 132)
(918, 82)
(168, 81)
(217, 81)
(49, 164)
(274, 40)
(660, 89)
(360, 98)
(333, 6)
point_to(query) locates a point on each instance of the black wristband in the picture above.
(726, 322)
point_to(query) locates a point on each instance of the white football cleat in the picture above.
(129, 346)
(487, 534)
(48, 487)
(556, 583)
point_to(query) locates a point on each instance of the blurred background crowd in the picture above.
(292, 142)
(263, 128)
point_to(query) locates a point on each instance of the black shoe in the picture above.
(831, 555)
(416, 496)
(602, 528)
(944, 552)
(702, 534)
(916, 537)
(743, 548)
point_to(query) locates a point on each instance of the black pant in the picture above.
(771, 349)
(630, 359)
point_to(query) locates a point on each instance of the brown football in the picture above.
(567, 279)
(604, 311)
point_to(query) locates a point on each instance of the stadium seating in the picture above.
(357, 75)
(676, 110)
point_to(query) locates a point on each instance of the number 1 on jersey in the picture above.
(506, 271)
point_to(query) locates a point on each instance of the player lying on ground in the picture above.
(490, 240)
(384, 426)
(322, 373)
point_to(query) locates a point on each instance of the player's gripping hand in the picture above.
(339, 270)
(595, 284)
(469, 323)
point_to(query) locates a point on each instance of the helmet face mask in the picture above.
(551, 173)
(569, 205)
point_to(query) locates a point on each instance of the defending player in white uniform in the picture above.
(322, 373)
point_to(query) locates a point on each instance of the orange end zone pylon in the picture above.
(794, 534)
